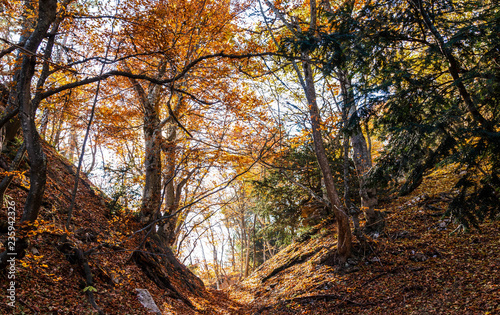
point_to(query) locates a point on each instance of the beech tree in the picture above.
(40, 21)
(21, 99)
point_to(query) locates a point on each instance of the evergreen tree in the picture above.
(436, 65)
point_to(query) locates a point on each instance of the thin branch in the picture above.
(171, 113)
(30, 53)
(126, 74)
(206, 195)
(194, 97)
(87, 132)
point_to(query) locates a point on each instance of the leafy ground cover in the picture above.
(51, 280)
(424, 263)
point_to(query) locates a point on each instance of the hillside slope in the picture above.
(51, 278)
(420, 265)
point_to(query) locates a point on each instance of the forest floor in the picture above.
(421, 264)
(50, 279)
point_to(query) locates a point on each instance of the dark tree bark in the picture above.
(21, 96)
(14, 165)
(27, 110)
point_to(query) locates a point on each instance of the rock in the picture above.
(147, 301)
(419, 257)
(375, 259)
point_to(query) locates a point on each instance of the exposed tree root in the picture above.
(77, 256)
(82, 259)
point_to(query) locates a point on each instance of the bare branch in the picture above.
(129, 75)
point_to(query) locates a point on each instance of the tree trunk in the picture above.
(247, 257)
(151, 197)
(27, 111)
(44, 123)
(168, 228)
(205, 264)
(73, 146)
(14, 165)
(231, 244)
(361, 157)
(351, 207)
(243, 242)
(149, 100)
(36, 156)
(344, 244)
(254, 256)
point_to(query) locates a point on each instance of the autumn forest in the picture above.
(249, 157)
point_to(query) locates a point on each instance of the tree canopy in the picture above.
(234, 127)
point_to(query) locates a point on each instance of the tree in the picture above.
(343, 54)
(185, 40)
(290, 192)
(436, 68)
(306, 78)
(52, 80)
(22, 101)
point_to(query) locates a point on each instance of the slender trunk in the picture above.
(368, 141)
(46, 116)
(254, 256)
(243, 242)
(361, 157)
(351, 208)
(44, 122)
(223, 274)
(55, 135)
(231, 244)
(247, 258)
(205, 264)
(263, 252)
(344, 244)
(215, 261)
(93, 151)
(73, 146)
